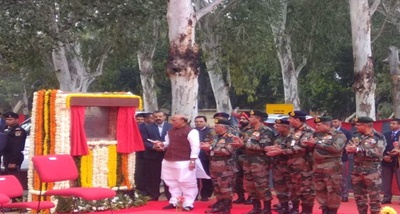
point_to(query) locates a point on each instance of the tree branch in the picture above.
(380, 30)
(301, 66)
(207, 9)
(374, 6)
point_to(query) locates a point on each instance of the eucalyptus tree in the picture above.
(182, 65)
(364, 76)
(211, 49)
(76, 35)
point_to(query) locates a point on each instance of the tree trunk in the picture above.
(284, 51)
(70, 69)
(182, 65)
(219, 84)
(364, 77)
(145, 59)
(394, 64)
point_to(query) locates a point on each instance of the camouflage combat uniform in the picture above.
(222, 170)
(366, 175)
(280, 171)
(300, 166)
(239, 159)
(256, 165)
(328, 169)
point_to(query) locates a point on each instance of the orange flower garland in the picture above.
(53, 126)
(38, 134)
(124, 170)
(46, 123)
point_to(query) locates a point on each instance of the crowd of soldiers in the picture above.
(306, 163)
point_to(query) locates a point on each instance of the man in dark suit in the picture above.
(390, 163)
(153, 156)
(347, 160)
(140, 180)
(206, 186)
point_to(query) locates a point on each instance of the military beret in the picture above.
(222, 121)
(245, 114)
(396, 119)
(11, 115)
(259, 114)
(221, 114)
(282, 121)
(363, 120)
(298, 114)
(322, 119)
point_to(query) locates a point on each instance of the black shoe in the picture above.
(386, 202)
(187, 209)
(345, 199)
(276, 207)
(239, 200)
(169, 206)
(248, 201)
(204, 199)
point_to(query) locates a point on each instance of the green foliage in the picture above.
(123, 200)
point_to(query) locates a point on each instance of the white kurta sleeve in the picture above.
(194, 140)
(166, 141)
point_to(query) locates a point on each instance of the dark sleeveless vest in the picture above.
(179, 146)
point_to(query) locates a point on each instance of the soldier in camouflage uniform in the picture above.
(280, 171)
(300, 164)
(328, 146)
(221, 166)
(367, 145)
(256, 164)
(210, 136)
(239, 159)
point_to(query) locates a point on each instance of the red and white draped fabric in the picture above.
(128, 136)
(79, 145)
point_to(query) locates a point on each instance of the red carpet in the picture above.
(200, 207)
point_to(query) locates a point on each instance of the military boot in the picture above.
(306, 209)
(256, 207)
(219, 206)
(332, 211)
(215, 204)
(248, 200)
(267, 207)
(227, 207)
(284, 209)
(325, 211)
(241, 199)
(295, 207)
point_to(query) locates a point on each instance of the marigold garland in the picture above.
(46, 122)
(86, 170)
(50, 120)
(112, 166)
(53, 124)
(124, 170)
(388, 210)
(38, 133)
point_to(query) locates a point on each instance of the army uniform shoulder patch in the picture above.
(18, 133)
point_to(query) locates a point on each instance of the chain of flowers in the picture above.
(112, 166)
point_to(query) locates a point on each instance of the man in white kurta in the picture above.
(179, 165)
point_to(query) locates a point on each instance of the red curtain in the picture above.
(79, 145)
(128, 136)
